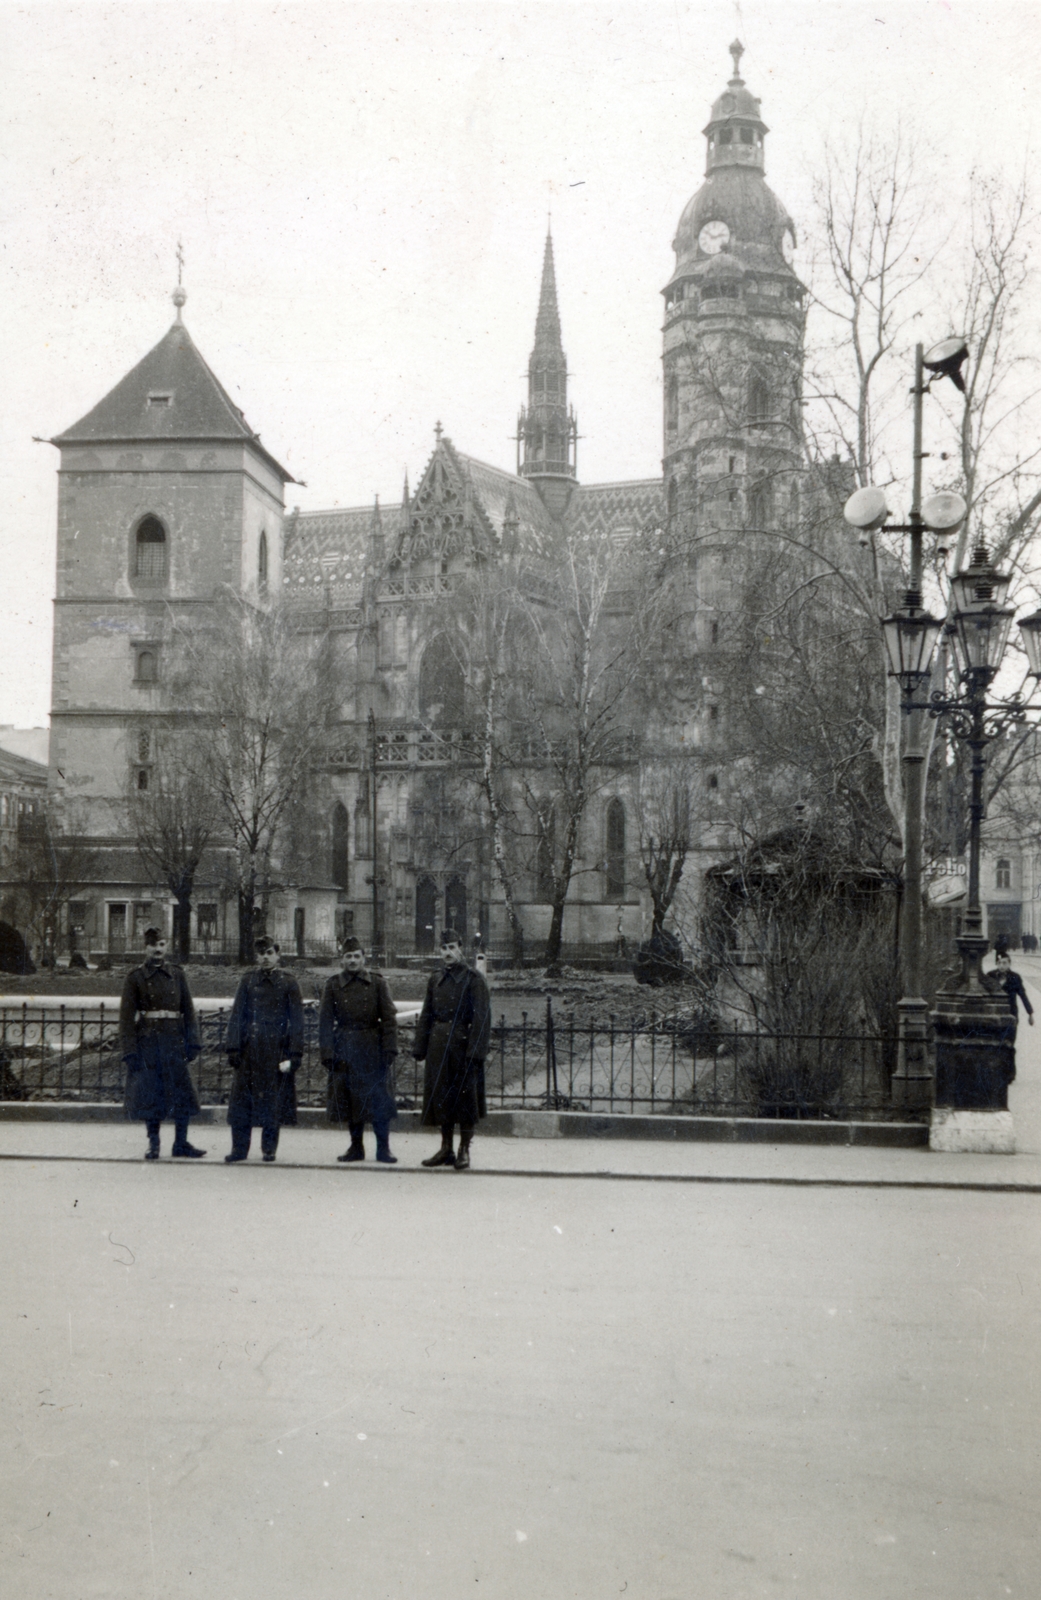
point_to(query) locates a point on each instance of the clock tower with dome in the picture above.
(733, 340)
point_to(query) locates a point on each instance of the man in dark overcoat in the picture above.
(158, 1038)
(1010, 984)
(452, 1037)
(265, 1045)
(358, 1039)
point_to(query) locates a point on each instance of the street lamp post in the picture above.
(373, 753)
(910, 638)
(975, 1058)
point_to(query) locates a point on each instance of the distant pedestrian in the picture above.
(452, 1037)
(158, 1038)
(1011, 985)
(265, 1044)
(358, 1039)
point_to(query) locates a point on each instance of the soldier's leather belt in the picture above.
(164, 1016)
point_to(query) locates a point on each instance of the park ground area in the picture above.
(582, 1369)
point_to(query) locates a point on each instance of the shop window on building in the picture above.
(1003, 877)
(206, 921)
(150, 551)
(5, 811)
(142, 920)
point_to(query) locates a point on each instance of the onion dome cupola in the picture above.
(547, 430)
(734, 322)
(734, 212)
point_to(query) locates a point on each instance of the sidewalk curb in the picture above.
(538, 1172)
(524, 1124)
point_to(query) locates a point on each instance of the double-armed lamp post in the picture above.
(973, 1048)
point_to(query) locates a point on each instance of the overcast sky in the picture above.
(362, 195)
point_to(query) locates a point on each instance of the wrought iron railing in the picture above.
(650, 1065)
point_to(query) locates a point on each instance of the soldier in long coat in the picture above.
(358, 1039)
(452, 1037)
(158, 1038)
(265, 1045)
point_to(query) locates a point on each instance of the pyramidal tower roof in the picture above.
(170, 395)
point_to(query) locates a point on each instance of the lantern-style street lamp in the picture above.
(910, 637)
(975, 1059)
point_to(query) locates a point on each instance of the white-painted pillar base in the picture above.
(985, 1133)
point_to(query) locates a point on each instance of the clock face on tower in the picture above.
(787, 245)
(712, 238)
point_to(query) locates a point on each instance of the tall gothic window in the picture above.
(150, 551)
(615, 853)
(341, 845)
(760, 504)
(441, 684)
(672, 401)
(758, 399)
(546, 823)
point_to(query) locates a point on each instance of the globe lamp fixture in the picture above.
(944, 511)
(866, 509)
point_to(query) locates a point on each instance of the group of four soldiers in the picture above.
(264, 1041)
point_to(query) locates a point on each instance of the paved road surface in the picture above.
(298, 1383)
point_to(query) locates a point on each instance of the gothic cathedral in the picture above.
(168, 498)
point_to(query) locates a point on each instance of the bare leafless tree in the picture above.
(174, 814)
(264, 694)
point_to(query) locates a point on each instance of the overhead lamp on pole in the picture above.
(910, 638)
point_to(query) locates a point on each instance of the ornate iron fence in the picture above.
(646, 1066)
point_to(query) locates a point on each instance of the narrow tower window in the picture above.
(615, 875)
(262, 564)
(150, 551)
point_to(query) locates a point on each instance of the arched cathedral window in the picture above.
(615, 851)
(341, 846)
(758, 399)
(441, 684)
(760, 504)
(150, 551)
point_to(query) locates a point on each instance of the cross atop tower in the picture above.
(179, 295)
(737, 50)
(438, 431)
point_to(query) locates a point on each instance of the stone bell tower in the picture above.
(166, 496)
(733, 338)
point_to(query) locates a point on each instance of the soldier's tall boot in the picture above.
(383, 1145)
(355, 1151)
(181, 1147)
(445, 1157)
(462, 1160)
